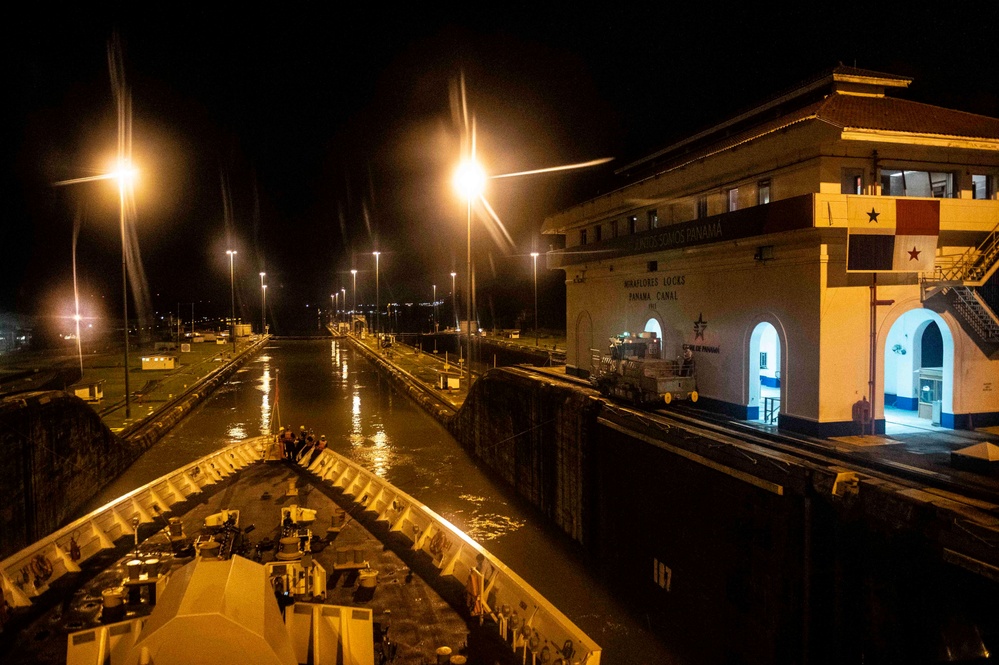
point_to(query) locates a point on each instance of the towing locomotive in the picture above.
(635, 371)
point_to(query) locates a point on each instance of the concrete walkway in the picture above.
(908, 442)
(152, 390)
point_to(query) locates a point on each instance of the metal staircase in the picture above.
(954, 284)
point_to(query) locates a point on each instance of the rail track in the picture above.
(817, 451)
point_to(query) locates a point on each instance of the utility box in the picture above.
(185, 348)
(449, 381)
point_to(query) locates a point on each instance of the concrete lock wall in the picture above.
(535, 434)
(57, 455)
(735, 553)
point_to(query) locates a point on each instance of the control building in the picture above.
(831, 249)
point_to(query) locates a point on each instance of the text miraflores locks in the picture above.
(653, 283)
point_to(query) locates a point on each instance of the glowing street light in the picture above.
(232, 292)
(435, 308)
(353, 296)
(378, 307)
(454, 307)
(125, 174)
(469, 180)
(534, 255)
(263, 310)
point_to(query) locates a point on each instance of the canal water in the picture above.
(328, 388)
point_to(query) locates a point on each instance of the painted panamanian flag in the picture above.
(892, 235)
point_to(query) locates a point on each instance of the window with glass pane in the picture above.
(928, 184)
(763, 192)
(980, 187)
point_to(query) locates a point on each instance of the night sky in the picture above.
(306, 135)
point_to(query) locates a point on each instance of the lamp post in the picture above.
(265, 308)
(353, 297)
(534, 255)
(232, 295)
(124, 174)
(333, 300)
(454, 305)
(435, 308)
(469, 180)
(378, 307)
(343, 300)
(263, 315)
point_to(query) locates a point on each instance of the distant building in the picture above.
(158, 362)
(761, 243)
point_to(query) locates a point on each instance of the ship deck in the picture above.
(410, 595)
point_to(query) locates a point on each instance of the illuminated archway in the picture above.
(653, 325)
(918, 368)
(764, 374)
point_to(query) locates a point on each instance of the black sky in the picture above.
(330, 130)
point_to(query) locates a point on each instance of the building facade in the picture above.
(764, 247)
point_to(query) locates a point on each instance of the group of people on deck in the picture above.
(298, 447)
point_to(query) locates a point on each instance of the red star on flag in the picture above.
(914, 254)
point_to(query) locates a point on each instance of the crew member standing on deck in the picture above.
(300, 444)
(289, 443)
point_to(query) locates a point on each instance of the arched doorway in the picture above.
(764, 374)
(918, 371)
(653, 325)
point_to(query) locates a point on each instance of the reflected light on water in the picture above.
(380, 453)
(265, 402)
(236, 432)
(356, 436)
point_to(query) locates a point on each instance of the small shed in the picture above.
(93, 392)
(158, 362)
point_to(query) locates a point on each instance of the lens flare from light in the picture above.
(469, 179)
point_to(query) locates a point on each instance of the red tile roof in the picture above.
(853, 112)
(901, 115)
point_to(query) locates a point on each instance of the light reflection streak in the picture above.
(356, 437)
(265, 402)
(380, 455)
(553, 169)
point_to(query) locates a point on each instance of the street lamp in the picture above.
(353, 308)
(454, 306)
(125, 174)
(343, 292)
(263, 315)
(378, 308)
(435, 308)
(265, 308)
(469, 180)
(534, 255)
(232, 293)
